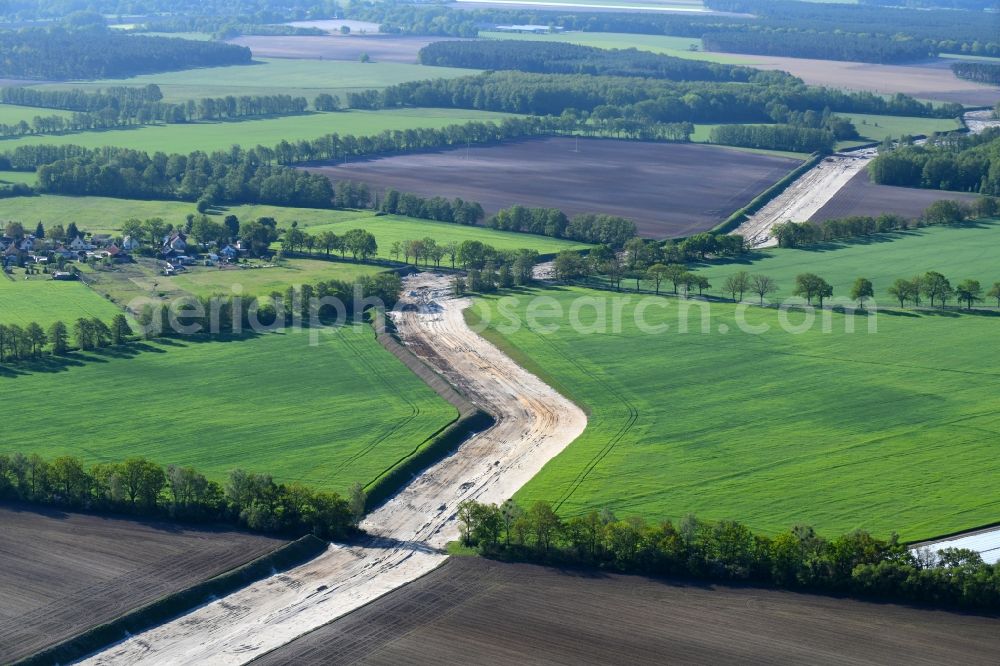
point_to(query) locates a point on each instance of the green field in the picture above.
(876, 128)
(390, 228)
(957, 252)
(889, 431)
(186, 138)
(205, 281)
(26, 177)
(326, 415)
(679, 47)
(42, 300)
(11, 114)
(272, 76)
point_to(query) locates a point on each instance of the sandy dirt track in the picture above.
(475, 611)
(534, 423)
(805, 197)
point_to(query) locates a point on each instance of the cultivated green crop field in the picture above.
(326, 415)
(679, 47)
(11, 114)
(957, 252)
(271, 76)
(45, 301)
(390, 228)
(891, 431)
(876, 127)
(205, 281)
(186, 138)
(26, 177)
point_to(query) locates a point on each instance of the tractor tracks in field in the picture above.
(630, 421)
(373, 369)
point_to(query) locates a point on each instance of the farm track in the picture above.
(804, 197)
(408, 532)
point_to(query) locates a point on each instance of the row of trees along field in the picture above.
(565, 58)
(610, 230)
(797, 234)
(822, 30)
(978, 71)
(57, 53)
(263, 11)
(143, 488)
(115, 114)
(856, 564)
(239, 175)
(969, 163)
(32, 341)
(675, 101)
(936, 287)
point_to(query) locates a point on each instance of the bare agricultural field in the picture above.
(380, 48)
(923, 81)
(476, 611)
(863, 197)
(668, 189)
(62, 573)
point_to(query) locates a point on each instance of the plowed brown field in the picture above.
(474, 611)
(669, 189)
(62, 573)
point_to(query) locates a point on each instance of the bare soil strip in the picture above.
(62, 573)
(534, 423)
(805, 197)
(480, 612)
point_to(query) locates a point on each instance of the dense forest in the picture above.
(705, 102)
(836, 31)
(967, 164)
(58, 54)
(982, 72)
(562, 58)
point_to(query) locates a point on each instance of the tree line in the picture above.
(946, 211)
(566, 58)
(980, 72)
(775, 137)
(675, 101)
(642, 259)
(610, 230)
(56, 53)
(147, 113)
(89, 333)
(938, 289)
(856, 564)
(238, 175)
(139, 487)
(969, 163)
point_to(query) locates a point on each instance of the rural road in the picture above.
(409, 531)
(805, 197)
